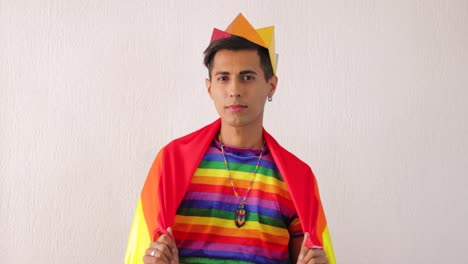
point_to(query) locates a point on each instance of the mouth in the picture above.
(236, 107)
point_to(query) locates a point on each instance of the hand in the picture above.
(311, 255)
(163, 250)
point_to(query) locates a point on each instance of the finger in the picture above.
(318, 253)
(162, 250)
(148, 260)
(157, 253)
(319, 256)
(154, 256)
(322, 260)
(152, 260)
(174, 250)
(308, 256)
(170, 245)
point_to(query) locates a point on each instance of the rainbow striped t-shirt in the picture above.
(204, 228)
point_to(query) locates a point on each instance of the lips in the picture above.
(236, 107)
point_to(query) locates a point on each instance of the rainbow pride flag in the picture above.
(170, 176)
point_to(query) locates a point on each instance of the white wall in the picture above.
(372, 94)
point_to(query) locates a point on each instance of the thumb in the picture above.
(306, 236)
(169, 229)
(303, 248)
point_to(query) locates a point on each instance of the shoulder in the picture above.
(282, 155)
(192, 146)
(203, 134)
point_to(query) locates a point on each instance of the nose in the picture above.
(235, 89)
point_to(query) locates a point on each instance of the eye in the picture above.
(249, 77)
(222, 78)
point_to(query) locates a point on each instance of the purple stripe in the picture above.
(255, 201)
(267, 160)
(205, 196)
(251, 250)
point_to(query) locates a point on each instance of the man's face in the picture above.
(238, 87)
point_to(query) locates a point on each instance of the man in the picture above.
(229, 193)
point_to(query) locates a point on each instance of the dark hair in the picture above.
(238, 43)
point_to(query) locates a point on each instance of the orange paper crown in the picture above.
(240, 27)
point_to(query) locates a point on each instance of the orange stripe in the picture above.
(149, 201)
(321, 220)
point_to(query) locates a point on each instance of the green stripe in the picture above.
(233, 166)
(223, 214)
(210, 260)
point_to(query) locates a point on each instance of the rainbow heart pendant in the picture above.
(240, 216)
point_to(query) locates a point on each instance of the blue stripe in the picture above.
(231, 207)
(203, 204)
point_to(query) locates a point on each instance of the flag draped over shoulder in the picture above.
(170, 176)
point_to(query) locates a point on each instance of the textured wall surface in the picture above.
(372, 94)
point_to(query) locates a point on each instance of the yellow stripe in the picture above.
(260, 186)
(328, 247)
(240, 175)
(215, 181)
(218, 222)
(139, 238)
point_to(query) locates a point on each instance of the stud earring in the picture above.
(270, 98)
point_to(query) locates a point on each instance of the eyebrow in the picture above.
(222, 73)
(241, 73)
(248, 72)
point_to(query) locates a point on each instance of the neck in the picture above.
(242, 137)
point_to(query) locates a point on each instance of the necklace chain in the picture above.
(242, 199)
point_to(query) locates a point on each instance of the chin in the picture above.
(234, 122)
(238, 122)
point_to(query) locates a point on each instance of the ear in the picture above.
(272, 83)
(208, 86)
